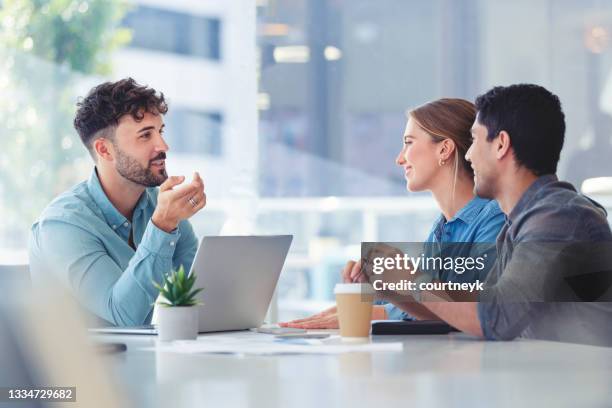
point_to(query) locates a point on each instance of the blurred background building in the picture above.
(292, 110)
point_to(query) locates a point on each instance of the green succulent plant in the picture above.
(177, 289)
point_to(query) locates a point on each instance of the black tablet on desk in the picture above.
(411, 327)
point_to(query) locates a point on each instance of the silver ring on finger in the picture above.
(193, 202)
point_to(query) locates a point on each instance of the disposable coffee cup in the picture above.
(354, 301)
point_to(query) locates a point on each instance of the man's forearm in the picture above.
(131, 297)
(461, 315)
(164, 222)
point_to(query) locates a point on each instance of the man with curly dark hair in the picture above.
(108, 238)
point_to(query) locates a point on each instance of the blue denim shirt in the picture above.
(81, 240)
(480, 220)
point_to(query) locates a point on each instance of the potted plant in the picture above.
(177, 317)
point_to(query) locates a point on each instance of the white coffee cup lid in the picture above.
(350, 288)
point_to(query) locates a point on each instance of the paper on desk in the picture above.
(271, 347)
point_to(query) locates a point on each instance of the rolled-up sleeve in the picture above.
(502, 320)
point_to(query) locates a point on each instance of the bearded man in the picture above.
(108, 238)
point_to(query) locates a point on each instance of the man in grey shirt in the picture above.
(552, 279)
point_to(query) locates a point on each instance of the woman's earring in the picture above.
(441, 162)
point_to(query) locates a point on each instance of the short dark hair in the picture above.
(534, 119)
(107, 102)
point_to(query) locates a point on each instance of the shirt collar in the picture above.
(467, 214)
(144, 201)
(469, 211)
(113, 217)
(530, 194)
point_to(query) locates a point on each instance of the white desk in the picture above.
(444, 371)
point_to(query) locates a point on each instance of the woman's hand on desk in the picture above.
(328, 319)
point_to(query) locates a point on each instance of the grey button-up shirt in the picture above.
(552, 279)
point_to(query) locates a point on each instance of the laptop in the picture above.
(239, 276)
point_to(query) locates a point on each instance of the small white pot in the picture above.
(177, 323)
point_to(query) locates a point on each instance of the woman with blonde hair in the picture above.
(436, 139)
